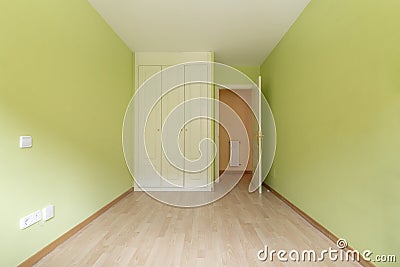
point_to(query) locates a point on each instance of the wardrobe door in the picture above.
(172, 159)
(148, 128)
(197, 130)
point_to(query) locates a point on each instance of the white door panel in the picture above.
(148, 128)
(181, 143)
(196, 130)
(172, 97)
(257, 135)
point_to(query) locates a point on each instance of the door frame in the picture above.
(216, 117)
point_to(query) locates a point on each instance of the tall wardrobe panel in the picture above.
(173, 161)
(151, 131)
(182, 160)
(196, 145)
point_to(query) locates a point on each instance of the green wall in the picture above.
(65, 79)
(333, 83)
(251, 71)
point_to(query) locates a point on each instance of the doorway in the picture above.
(235, 151)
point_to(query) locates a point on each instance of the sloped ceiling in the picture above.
(240, 32)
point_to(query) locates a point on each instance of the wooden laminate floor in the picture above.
(140, 231)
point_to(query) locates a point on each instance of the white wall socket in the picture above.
(30, 219)
(48, 212)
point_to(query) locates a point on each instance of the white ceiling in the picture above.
(240, 32)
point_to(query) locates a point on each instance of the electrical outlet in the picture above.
(30, 219)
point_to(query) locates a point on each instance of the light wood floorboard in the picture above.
(140, 231)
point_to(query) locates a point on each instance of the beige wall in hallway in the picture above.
(234, 99)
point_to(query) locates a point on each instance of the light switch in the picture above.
(48, 212)
(25, 141)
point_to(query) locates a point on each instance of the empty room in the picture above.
(199, 133)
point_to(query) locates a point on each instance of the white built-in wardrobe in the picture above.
(152, 169)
